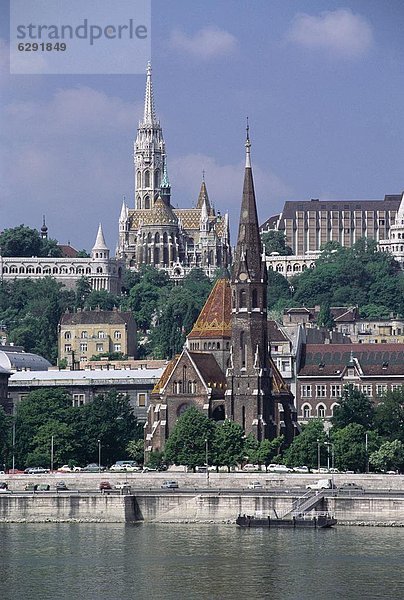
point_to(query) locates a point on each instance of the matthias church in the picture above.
(155, 233)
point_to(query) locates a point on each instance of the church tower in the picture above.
(149, 152)
(248, 394)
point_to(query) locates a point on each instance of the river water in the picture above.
(198, 562)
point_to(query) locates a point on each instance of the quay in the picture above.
(220, 499)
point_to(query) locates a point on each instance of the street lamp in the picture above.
(318, 456)
(207, 461)
(367, 453)
(99, 456)
(51, 465)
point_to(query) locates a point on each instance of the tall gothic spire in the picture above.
(149, 117)
(248, 250)
(100, 240)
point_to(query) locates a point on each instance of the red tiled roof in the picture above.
(215, 317)
(68, 251)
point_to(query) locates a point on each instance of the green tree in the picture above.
(82, 291)
(268, 450)
(135, 450)
(389, 415)
(20, 241)
(279, 291)
(390, 456)
(304, 448)
(350, 447)
(186, 445)
(228, 445)
(156, 459)
(83, 254)
(354, 407)
(101, 299)
(64, 445)
(275, 241)
(251, 446)
(325, 318)
(5, 441)
(50, 247)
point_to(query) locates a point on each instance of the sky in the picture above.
(322, 83)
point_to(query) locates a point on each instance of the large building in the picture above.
(309, 224)
(102, 271)
(154, 232)
(226, 369)
(87, 333)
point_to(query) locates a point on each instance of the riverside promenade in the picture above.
(219, 498)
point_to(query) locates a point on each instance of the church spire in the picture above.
(248, 250)
(149, 117)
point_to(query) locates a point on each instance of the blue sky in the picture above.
(321, 81)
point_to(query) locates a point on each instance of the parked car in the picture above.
(123, 485)
(279, 469)
(170, 485)
(255, 485)
(36, 470)
(61, 486)
(122, 466)
(351, 486)
(334, 470)
(149, 470)
(43, 487)
(303, 469)
(93, 468)
(3, 486)
(105, 485)
(31, 487)
(249, 467)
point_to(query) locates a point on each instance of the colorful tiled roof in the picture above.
(165, 375)
(215, 317)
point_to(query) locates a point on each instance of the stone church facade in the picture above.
(225, 369)
(154, 232)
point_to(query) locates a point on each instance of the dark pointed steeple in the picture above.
(248, 265)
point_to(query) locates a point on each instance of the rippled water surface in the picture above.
(100, 561)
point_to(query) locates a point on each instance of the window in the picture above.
(321, 391)
(68, 335)
(147, 179)
(305, 391)
(321, 411)
(367, 390)
(381, 388)
(84, 334)
(83, 347)
(101, 335)
(68, 347)
(79, 399)
(335, 390)
(396, 386)
(99, 347)
(117, 347)
(141, 399)
(306, 411)
(243, 299)
(254, 299)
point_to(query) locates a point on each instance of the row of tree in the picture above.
(362, 435)
(44, 414)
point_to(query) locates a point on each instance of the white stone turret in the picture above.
(149, 151)
(395, 243)
(100, 249)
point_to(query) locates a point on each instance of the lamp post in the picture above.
(367, 454)
(13, 447)
(318, 456)
(51, 465)
(207, 461)
(99, 456)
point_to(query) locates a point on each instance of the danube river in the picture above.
(172, 562)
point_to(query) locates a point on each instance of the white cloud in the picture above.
(70, 158)
(340, 32)
(225, 184)
(206, 43)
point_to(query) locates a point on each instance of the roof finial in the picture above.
(247, 147)
(149, 114)
(203, 174)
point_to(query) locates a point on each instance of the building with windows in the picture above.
(154, 232)
(102, 271)
(87, 333)
(310, 224)
(325, 369)
(83, 386)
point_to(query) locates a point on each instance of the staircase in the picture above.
(305, 503)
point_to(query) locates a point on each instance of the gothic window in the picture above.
(147, 179)
(165, 255)
(139, 201)
(99, 269)
(68, 335)
(157, 238)
(243, 299)
(165, 237)
(242, 349)
(156, 178)
(306, 411)
(21, 269)
(243, 417)
(138, 182)
(156, 256)
(211, 257)
(147, 202)
(254, 299)
(218, 346)
(149, 238)
(321, 411)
